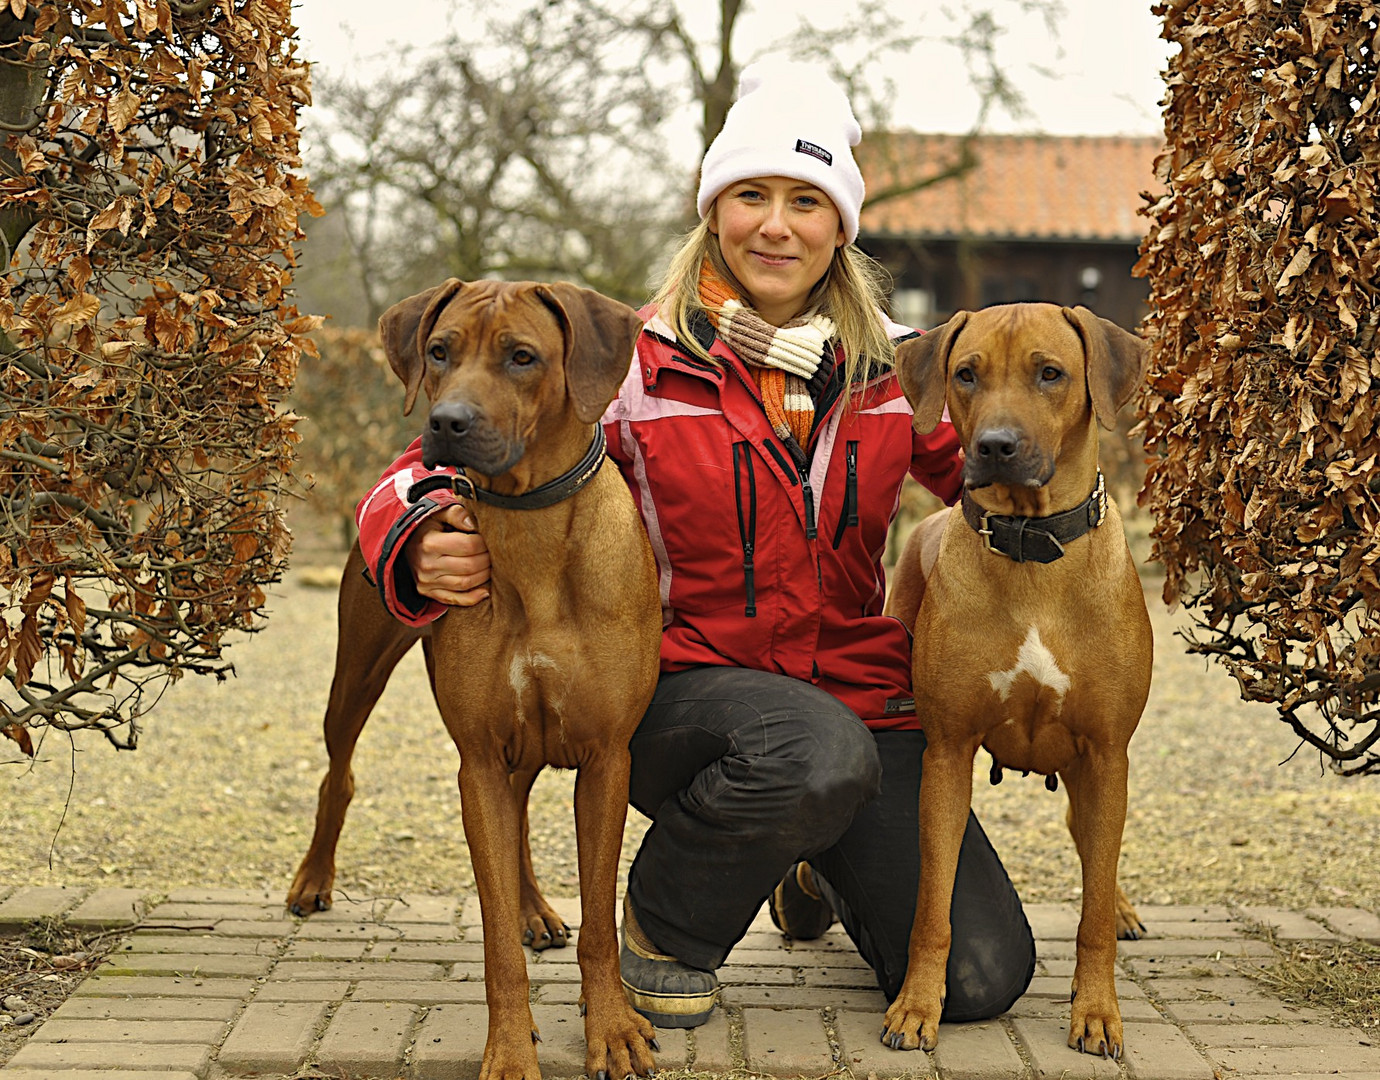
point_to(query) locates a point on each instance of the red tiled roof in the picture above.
(1026, 187)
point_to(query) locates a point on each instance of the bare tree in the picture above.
(528, 156)
(554, 143)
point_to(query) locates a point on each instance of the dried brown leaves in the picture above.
(1264, 263)
(352, 419)
(149, 194)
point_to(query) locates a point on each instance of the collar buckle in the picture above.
(986, 533)
(462, 486)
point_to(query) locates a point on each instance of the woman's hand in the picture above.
(449, 559)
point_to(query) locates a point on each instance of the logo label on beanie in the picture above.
(803, 147)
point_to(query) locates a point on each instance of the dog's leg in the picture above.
(1097, 796)
(946, 795)
(542, 928)
(617, 1039)
(369, 644)
(493, 831)
(1128, 924)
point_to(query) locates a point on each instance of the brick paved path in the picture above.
(216, 984)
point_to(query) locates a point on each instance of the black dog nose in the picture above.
(452, 419)
(998, 444)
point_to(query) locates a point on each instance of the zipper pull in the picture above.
(808, 492)
(851, 496)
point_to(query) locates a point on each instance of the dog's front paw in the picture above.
(1096, 1031)
(619, 1043)
(912, 1022)
(507, 1061)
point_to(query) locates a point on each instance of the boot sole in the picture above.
(669, 1005)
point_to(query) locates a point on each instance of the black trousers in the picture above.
(743, 773)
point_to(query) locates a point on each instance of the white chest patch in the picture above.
(1038, 662)
(523, 673)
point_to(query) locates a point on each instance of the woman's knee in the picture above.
(834, 770)
(845, 771)
(988, 973)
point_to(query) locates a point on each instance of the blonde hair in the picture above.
(852, 293)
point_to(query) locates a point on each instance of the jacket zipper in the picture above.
(810, 531)
(747, 524)
(849, 516)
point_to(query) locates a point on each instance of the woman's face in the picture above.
(777, 236)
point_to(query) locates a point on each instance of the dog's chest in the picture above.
(1029, 697)
(562, 685)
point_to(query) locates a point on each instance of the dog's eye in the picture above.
(967, 376)
(437, 353)
(1050, 374)
(521, 357)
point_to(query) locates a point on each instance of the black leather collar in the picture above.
(548, 494)
(1042, 540)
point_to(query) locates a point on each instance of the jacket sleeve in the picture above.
(613, 428)
(386, 519)
(936, 460)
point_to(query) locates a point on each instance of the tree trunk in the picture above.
(22, 90)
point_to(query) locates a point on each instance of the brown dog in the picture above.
(370, 644)
(558, 665)
(1031, 633)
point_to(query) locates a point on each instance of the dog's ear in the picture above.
(599, 338)
(403, 330)
(1116, 359)
(922, 366)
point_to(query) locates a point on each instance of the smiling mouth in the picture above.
(774, 260)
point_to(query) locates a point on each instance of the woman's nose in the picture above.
(775, 223)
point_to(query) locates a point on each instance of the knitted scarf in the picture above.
(782, 359)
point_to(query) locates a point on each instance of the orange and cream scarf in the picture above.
(782, 359)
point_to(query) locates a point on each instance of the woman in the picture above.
(765, 440)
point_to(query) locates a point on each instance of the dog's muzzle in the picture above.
(1004, 455)
(458, 434)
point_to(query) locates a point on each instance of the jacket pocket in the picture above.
(745, 495)
(849, 515)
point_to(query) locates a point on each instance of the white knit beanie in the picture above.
(790, 119)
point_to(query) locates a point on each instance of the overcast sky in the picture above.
(1107, 57)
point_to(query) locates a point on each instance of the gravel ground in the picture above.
(222, 791)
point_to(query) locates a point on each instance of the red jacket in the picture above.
(762, 564)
